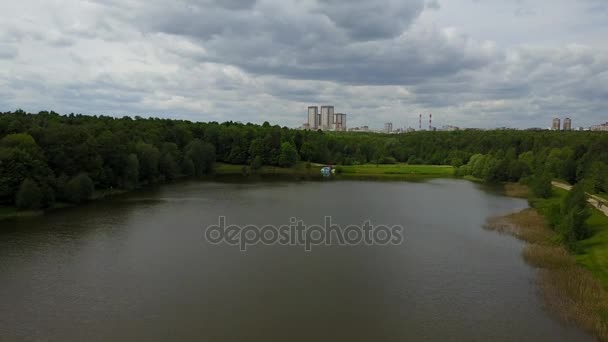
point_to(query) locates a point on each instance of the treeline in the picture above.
(66, 157)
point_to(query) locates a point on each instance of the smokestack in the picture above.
(430, 122)
(420, 122)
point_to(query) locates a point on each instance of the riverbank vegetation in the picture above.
(399, 169)
(576, 294)
(47, 157)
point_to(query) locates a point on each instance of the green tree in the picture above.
(288, 156)
(541, 185)
(131, 172)
(575, 213)
(79, 189)
(29, 195)
(202, 155)
(597, 176)
(187, 167)
(148, 156)
(256, 163)
(168, 167)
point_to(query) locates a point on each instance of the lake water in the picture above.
(137, 267)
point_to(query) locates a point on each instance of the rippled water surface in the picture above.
(137, 268)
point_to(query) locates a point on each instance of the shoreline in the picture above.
(378, 172)
(570, 289)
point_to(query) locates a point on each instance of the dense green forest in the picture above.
(47, 157)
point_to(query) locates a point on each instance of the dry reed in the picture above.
(569, 290)
(517, 190)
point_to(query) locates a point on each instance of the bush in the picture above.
(29, 195)
(541, 185)
(388, 160)
(79, 189)
(256, 163)
(288, 155)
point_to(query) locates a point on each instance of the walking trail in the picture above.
(595, 201)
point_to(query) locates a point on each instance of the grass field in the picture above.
(594, 251)
(367, 170)
(397, 170)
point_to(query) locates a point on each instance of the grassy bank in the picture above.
(301, 169)
(391, 170)
(11, 212)
(575, 286)
(592, 253)
(232, 169)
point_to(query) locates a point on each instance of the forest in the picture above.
(48, 157)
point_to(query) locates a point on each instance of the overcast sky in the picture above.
(472, 63)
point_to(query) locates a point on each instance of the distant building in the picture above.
(359, 129)
(313, 120)
(450, 128)
(340, 122)
(601, 127)
(556, 124)
(305, 126)
(388, 127)
(567, 124)
(327, 118)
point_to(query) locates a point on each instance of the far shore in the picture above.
(398, 171)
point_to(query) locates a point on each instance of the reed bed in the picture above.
(568, 290)
(517, 190)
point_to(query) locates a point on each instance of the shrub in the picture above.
(79, 188)
(29, 195)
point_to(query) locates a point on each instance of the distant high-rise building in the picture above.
(313, 120)
(567, 124)
(327, 118)
(601, 127)
(556, 124)
(340, 122)
(388, 127)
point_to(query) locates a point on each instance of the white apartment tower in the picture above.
(313, 117)
(556, 124)
(567, 124)
(327, 118)
(340, 122)
(388, 127)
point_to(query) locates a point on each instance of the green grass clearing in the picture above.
(397, 169)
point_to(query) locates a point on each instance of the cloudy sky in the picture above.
(472, 63)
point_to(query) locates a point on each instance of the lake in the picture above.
(137, 267)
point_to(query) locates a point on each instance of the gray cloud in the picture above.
(433, 4)
(383, 60)
(7, 51)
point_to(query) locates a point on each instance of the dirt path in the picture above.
(597, 202)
